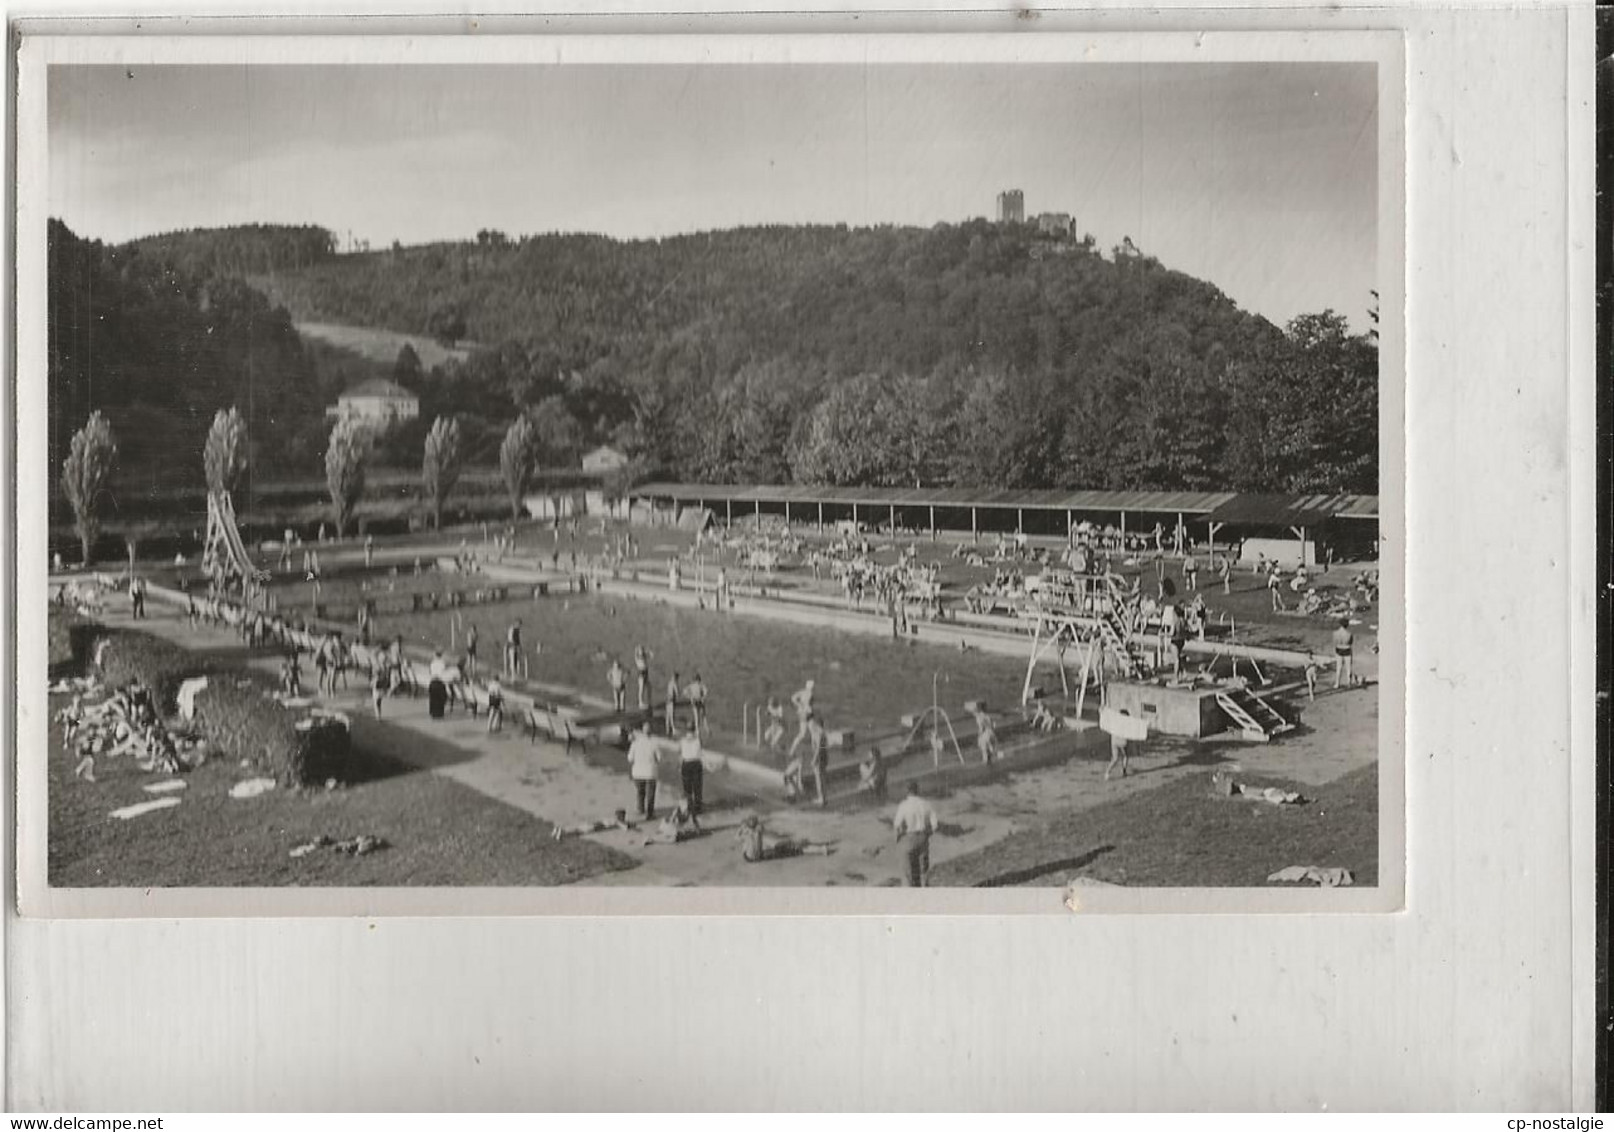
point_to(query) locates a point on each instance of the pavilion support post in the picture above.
(975, 530)
(820, 516)
(933, 523)
(893, 519)
(1214, 527)
(1020, 519)
(854, 517)
(1070, 524)
(1123, 531)
(728, 511)
(1181, 533)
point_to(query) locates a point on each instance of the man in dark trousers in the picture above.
(914, 822)
(691, 773)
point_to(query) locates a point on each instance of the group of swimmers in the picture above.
(126, 722)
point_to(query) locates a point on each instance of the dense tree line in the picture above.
(242, 250)
(159, 350)
(973, 354)
(977, 354)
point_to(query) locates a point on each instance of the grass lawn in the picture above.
(439, 832)
(1184, 835)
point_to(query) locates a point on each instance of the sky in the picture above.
(1260, 178)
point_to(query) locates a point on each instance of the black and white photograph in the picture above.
(1032, 559)
(758, 474)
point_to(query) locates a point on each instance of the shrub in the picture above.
(156, 663)
(68, 638)
(233, 713)
(242, 721)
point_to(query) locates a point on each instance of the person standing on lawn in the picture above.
(1119, 754)
(1344, 645)
(803, 702)
(618, 680)
(641, 671)
(643, 758)
(914, 822)
(470, 651)
(437, 686)
(986, 736)
(1190, 572)
(512, 649)
(872, 774)
(495, 705)
(818, 736)
(691, 773)
(696, 695)
(776, 724)
(672, 704)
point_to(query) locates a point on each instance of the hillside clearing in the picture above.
(379, 345)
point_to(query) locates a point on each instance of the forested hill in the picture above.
(979, 354)
(241, 250)
(159, 349)
(976, 354)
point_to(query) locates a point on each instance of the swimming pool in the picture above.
(863, 682)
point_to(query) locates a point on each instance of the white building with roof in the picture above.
(603, 459)
(377, 400)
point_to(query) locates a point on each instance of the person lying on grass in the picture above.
(755, 845)
(619, 820)
(680, 825)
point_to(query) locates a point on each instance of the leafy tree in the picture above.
(446, 323)
(1337, 415)
(441, 464)
(86, 473)
(224, 455)
(407, 370)
(345, 458)
(871, 430)
(556, 436)
(516, 461)
(1010, 433)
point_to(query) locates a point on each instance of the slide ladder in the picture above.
(224, 555)
(1254, 717)
(1113, 631)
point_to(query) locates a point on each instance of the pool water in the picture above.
(863, 682)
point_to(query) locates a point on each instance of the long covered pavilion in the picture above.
(1038, 513)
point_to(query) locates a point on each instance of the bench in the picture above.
(556, 726)
(464, 693)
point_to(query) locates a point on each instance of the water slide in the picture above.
(222, 512)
